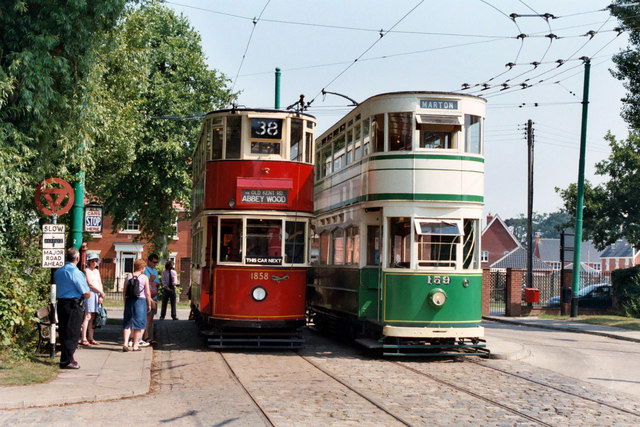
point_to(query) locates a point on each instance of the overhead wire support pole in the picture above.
(530, 204)
(580, 195)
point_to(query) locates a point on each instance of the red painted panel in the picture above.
(222, 184)
(206, 291)
(285, 298)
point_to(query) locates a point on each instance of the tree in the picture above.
(628, 61)
(47, 54)
(548, 225)
(155, 176)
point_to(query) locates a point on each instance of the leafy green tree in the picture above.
(548, 225)
(628, 61)
(612, 209)
(47, 54)
(155, 176)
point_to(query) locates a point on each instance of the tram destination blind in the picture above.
(274, 197)
(266, 128)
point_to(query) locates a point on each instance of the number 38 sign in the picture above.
(93, 218)
(264, 128)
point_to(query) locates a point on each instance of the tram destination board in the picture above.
(264, 128)
(273, 197)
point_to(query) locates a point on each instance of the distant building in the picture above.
(619, 255)
(497, 240)
(517, 259)
(548, 250)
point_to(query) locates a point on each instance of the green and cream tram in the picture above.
(398, 199)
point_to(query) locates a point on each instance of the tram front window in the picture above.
(264, 237)
(437, 136)
(231, 240)
(295, 237)
(400, 242)
(437, 243)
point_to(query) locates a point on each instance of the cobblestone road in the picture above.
(331, 383)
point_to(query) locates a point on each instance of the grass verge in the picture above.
(24, 370)
(607, 320)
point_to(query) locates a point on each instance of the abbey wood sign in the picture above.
(273, 197)
(439, 104)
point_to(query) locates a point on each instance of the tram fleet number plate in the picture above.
(438, 280)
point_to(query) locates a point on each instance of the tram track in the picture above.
(473, 394)
(236, 379)
(541, 383)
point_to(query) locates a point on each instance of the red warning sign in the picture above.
(58, 195)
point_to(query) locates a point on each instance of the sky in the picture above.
(436, 46)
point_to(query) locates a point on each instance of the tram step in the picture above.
(433, 346)
(435, 354)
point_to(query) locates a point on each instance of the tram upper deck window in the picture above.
(308, 147)
(324, 161)
(339, 153)
(337, 240)
(233, 137)
(295, 140)
(231, 240)
(400, 131)
(473, 134)
(400, 242)
(295, 238)
(218, 137)
(437, 243)
(377, 135)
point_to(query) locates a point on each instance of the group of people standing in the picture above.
(141, 305)
(80, 295)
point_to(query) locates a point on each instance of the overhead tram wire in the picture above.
(339, 27)
(520, 33)
(546, 19)
(525, 85)
(382, 34)
(373, 58)
(255, 22)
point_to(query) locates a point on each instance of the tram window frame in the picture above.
(325, 247)
(377, 133)
(225, 243)
(400, 258)
(338, 251)
(451, 131)
(292, 241)
(308, 149)
(473, 126)
(374, 245)
(270, 242)
(233, 137)
(217, 138)
(470, 246)
(352, 245)
(400, 132)
(440, 237)
(296, 148)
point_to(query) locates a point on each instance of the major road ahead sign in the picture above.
(53, 243)
(52, 258)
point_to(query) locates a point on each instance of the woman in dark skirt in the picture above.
(136, 309)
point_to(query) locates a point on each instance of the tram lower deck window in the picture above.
(264, 237)
(400, 242)
(231, 240)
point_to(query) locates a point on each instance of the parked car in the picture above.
(598, 295)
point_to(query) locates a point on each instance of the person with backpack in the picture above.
(137, 297)
(169, 280)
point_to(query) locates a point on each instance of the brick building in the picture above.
(497, 241)
(118, 249)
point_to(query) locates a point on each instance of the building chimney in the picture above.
(489, 218)
(536, 245)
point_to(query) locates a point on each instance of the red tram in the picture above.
(252, 204)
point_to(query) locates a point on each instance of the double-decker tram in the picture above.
(252, 203)
(398, 200)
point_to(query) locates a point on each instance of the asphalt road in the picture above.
(609, 363)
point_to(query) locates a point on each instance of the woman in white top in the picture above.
(91, 304)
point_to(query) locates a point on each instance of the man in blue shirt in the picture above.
(71, 289)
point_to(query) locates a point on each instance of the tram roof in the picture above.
(260, 110)
(424, 92)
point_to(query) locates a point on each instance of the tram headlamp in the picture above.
(232, 203)
(259, 293)
(437, 297)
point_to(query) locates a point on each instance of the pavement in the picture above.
(108, 373)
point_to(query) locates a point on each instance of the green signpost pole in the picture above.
(77, 213)
(277, 103)
(580, 196)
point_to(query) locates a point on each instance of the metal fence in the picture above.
(498, 293)
(548, 283)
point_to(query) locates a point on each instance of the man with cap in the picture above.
(71, 289)
(92, 303)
